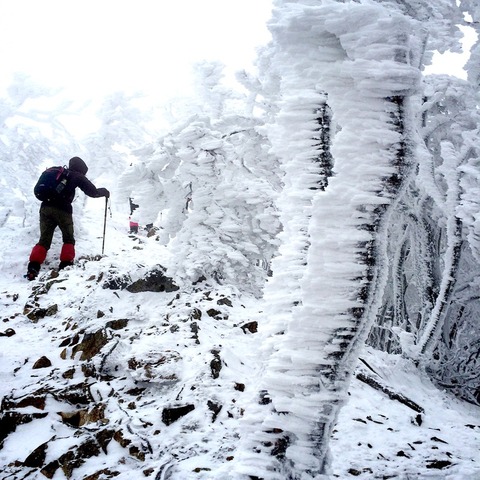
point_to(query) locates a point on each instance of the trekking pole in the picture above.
(104, 224)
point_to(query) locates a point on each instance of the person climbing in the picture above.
(132, 223)
(58, 213)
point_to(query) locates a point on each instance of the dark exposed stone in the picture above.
(418, 419)
(102, 475)
(438, 464)
(11, 420)
(78, 394)
(213, 313)
(240, 387)
(154, 281)
(74, 419)
(354, 472)
(90, 345)
(215, 408)
(37, 314)
(137, 453)
(116, 281)
(195, 329)
(118, 437)
(200, 279)
(196, 314)
(89, 370)
(35, 400)
(73, 459)
(52, 310)
(9, 332)
(117, 324)
(42, 362)
(104, 437)
(70, 341)
(436, 439)
(172, 414)
(251, 327)
(264, 398)
(37, 457)
(135, 391)
(50, 469)
(225, 301)
(69, 373)
(280, 447)
(216, 364)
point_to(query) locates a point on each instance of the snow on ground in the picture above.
(376, 437)
(379, 436)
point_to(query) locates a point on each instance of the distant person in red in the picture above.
(133, 224)
(58, 213)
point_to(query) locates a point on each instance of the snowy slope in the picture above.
(108, 411)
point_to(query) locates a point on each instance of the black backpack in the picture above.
(51, 184)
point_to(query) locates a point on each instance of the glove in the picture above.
(103, 192)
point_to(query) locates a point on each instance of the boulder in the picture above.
(154, 281)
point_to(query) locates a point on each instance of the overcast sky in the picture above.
(92, 47)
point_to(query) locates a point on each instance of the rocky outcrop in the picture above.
(154, 281)
(117, 383)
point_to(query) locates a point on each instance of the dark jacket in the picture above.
(76, 178)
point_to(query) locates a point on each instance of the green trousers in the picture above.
(50, 219)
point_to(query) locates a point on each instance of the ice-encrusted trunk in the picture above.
(299, 140)
(369, 74)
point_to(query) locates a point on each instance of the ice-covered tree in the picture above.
(425, 234)
(429, 305)
(122, 129)
(364, 59)
(31, 136)
(210, 187)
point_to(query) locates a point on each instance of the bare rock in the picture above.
(116, 281)
(172, 414)
(37, 313)
(251, 327)
(102, 474)
(37, 400)
(90, 344)
(154, 281)
(82, 417)
(36, 459)
(216, 408)
(42, 362)
(212, 312)
(224, 301)
(9, 422)
(119, 324)
(216, 364)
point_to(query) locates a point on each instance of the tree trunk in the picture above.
(315, 342)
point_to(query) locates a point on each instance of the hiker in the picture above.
(58, 213)
(132, 223)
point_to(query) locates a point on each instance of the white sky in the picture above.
(93, 47)
(452, 63)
